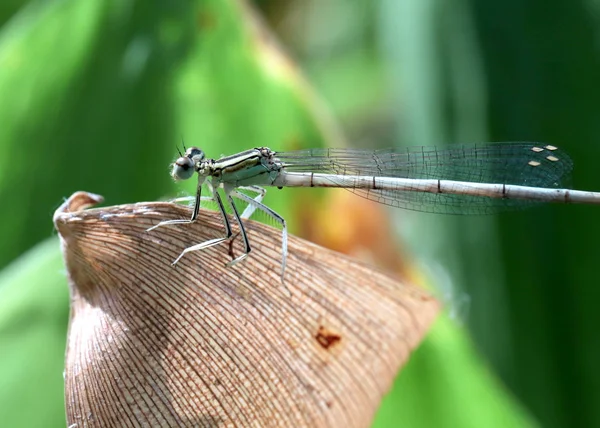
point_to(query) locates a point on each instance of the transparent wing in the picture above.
(525, 164)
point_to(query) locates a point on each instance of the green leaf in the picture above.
(446, 384)
(33, 317)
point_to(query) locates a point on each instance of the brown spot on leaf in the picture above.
(327, 338)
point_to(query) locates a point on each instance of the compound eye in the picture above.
(195, 154)
(183, 168)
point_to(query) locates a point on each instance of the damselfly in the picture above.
(460, 179)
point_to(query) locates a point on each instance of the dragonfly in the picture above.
(458, 179)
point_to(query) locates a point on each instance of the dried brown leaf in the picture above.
(202, 344)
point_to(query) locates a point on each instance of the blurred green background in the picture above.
(96, 95)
